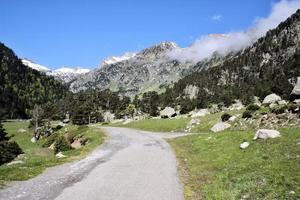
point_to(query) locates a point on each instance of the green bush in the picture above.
(225, 117)
(50, 139)
(9, 150)
(252, 107)
(61, 144)
(279, 109)
(247, 114)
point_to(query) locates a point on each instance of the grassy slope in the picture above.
(39, 158)
(213, 166)
(157, 125)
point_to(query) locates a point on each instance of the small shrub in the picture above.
(50, 139)
(61, 144)
(9, 150)
(279, 109)
(225, 117)
(252, 107)
(247, 114)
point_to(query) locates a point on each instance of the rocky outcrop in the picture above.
(168, 112)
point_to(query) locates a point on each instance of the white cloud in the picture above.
(205, 46)
(216, 18)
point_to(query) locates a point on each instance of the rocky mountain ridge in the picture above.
(64, 74)
(145, 71)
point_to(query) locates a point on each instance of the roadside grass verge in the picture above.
(157, 125)
(208, 121)
(38, 158)
(212, 166)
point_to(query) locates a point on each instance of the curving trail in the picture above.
(131, 165)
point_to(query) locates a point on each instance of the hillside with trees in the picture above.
(22, 87)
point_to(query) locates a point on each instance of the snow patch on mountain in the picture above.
(116, 59)
(64, 74)
(35, 66)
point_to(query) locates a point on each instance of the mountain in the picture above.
(34, 65)
(64, 74)
(270, 65)
(148, 70)
(22, 87)
(115, 59)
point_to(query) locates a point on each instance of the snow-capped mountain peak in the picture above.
(116, 59)
(64, 74)
(34, 65)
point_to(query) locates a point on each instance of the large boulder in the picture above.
(220, 126)
(266, 134)
(168, 112)
(271, 98)
(108, 116)
(296, 91)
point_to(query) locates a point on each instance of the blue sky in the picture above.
(73, 33)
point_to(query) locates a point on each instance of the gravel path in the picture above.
(131, 165)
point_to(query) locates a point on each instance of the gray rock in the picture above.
(60, 155)
(220, 126)
(244, 145)
(66, 121)
(168, 112)
(232, 118)
(33, 140)
(266, 134)
(296, 90)
(271, 98)
(15, 162)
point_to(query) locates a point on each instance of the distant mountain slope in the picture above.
(64, 74)
(272, 64)
(21, 87)
(147, 70)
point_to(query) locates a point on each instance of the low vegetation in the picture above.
(213, 167)
(37, 156)
(157, 125)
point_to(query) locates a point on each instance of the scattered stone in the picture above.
(244, 145)
(168, 112)
(257, 101)
(76, 144)
(199, 113)
(15, 162)
(33, 140)
(232, 118)
(21, 130)
(220, 126)
(52, 146)
(271, 98)
(60, 155)
(292, 192)
(266, 134)
(66, 121)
